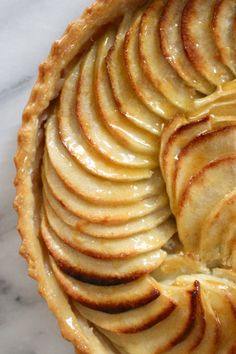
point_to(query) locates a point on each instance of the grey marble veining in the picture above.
(27, 30)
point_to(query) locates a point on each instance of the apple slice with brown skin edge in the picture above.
(106, 191)
(181, 137)
(115, 299)
(92, 126)
(168, 130)
(155, 66)
(98, 271)
(199, 152)
(78, 146)
(200, 196)
(143, 88)
(196, 335)
(209, 342)
(173, 50)
(220, 230)
(165, 334)
(103, 214)
(221, 296)
(126, 99)
(199, 42)
(134, 321)
(139, 225)
(128, 134)
(100, 186)
(110, 248)
(223, 29)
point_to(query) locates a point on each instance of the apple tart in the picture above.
(126, 178)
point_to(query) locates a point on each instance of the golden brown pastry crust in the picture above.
(27, 159)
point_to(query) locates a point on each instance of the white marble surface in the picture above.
(27, 29)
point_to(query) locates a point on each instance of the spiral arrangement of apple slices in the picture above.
(106, 220)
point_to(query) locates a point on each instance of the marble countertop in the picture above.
(27, 30)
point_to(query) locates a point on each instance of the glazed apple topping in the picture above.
(139, 180)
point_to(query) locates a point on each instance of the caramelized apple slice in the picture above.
(128, 134)
(217, 240)
(115, 299)
(196, 334)
(212, 332)
(110, 248)
(173, 50)
(96, 189)
(200, 151)
(135, 320)
(91, 187)
(90, 122)
(143, 88)
(199, 43)
(201, 195)
(127, 101)
(223, 29)
(165, 334)
(139, 225)
(99, 214)
(181, 137)
(209, 342)
(98, 271)
(221, 296)
(155, 66)
(74, 141)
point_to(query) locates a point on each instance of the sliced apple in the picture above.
(143, 88)
(128, 134)
(165, 334)
(74, 141)
(118, 248)
(176, 265)
(102, 214)
(168, 130)
(199, 43)
(139, 225)
(135, 320)
(222, 300)
(200, 151)
(223, 29)
(93, 128)
(196, 334)
(210, 340)
(72, 177)
(156, 67)
(92, 187)
(115, 299)
(173, 49)
(212, 333)
(126, 99)
(227, 274)
(204, 191)
(181, 137)
(98, 271)
(218, 234)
